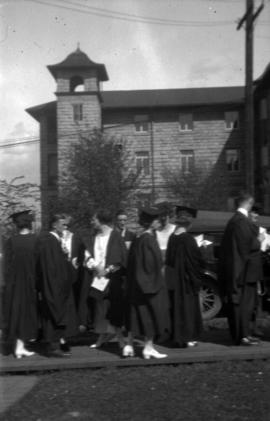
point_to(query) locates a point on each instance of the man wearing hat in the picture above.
(239, 269)
(20, 297)
(184, 258)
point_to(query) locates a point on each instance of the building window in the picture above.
(52, 138)
(231, 204)
(263, 109)
(231, 120)
(141, 123)
(185, 122)
(52, 169)
(143, 163)
(144, 199)
(77, 112)
(187, 161)
(233, 160)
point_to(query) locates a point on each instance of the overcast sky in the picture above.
(195, 44)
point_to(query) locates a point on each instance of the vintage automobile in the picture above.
(211, 225)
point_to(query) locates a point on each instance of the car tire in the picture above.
(210, 300)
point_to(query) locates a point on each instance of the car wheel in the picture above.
(210, 300)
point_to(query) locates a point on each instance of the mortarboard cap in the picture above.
(257, 208)
(27, 214)
(164, 207)
(149, 213)
(186, 211)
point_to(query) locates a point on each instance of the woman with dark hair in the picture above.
(105, 262)
(20, 299)
(183, 256)
(148, 313)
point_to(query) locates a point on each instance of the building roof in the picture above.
(79, 60)
(157, 98)
(172, 97)
(264, 79)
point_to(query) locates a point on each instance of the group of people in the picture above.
(121, 284)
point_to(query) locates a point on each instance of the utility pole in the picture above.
(249, 18)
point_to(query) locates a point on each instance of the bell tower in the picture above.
(78, 81)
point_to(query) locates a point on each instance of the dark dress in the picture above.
(184, 257)
(240, 267)
(113, 298)
(55, 286)
(20, 303)
(148, 308)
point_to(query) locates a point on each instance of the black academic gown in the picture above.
(55, 287)
(240, 268)
(148, 307)
(184, 257)
(116, 255)
(20, 296)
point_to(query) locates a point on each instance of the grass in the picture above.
(229, 391)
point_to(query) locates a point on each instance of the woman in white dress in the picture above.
(105, 260)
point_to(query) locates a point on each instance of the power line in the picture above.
(14, 139)
(137, 18)
(11, 145)
(133, 16)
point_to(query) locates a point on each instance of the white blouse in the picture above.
(100, 248)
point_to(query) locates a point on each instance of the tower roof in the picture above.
(79, 60)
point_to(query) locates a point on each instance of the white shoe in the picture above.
(128, 351)
(23, 353)
(152, 353)
(192, 344)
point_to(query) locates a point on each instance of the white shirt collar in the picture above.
(243, 211)
(55, 235)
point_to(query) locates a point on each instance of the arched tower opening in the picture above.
(76, 84)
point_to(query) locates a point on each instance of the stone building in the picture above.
(262, 138)
(181, 131)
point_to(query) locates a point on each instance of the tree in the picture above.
(16, 195)
(202, 188)
(99, 173)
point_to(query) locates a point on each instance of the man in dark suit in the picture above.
(239, 265)
(120, 224)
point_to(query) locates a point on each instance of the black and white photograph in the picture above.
(135, 210)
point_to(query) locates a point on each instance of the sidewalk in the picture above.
(215, 346)
(13, 388)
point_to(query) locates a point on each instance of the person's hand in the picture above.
(100, 270)
(261, 237)
(74, 262)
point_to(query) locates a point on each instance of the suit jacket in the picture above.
(116, 255)
(240, 260)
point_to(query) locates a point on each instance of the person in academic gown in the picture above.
(55, 288)
(183, 256)
(148, 308)
(20, 298)
(163, 234)
(69, 241)
(240, 267)
(120, 224)
(104, 258)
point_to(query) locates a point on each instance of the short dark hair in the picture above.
(184, 221)
(120, 212)
(55, 218)
(24, 221)
(243, 197)
(104, 216)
